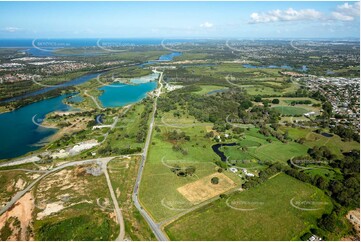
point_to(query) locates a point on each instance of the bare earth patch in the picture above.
(354, 217)
(202, 190)
(21, 210)
(20, 184)
(50, 208)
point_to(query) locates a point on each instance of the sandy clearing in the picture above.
(354, 217)
(202, 189)
(20, 184)
(35, 176)
(22, 209)
(49, 209)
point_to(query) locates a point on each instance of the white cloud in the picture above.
(346, 12)
(206, 25)
(285, 15)
(11, 29)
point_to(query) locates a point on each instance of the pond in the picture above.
(327, 135)
(216, 147)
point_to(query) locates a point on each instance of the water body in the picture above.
(327, 135)
(19, 134)
(216, 147)
(119, 94)
(267, 67)
(75, 99)
(90, 42)
(170, 56)
(73, 82)
(145, 79)
(217, 91)
(304, 68)
(46, 47)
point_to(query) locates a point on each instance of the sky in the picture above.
(284, 19)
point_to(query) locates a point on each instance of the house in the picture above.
(246, 172)
(233, 169)
(314, 238)
(309, 114)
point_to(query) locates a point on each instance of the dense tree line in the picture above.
(143, 125)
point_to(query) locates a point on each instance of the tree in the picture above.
(215, 180)
(190, 170)
(275, 101)
(328, 221)
(258, 99)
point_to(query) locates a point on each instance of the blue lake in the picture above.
(19, 134)
(170, 56)
(75, 99)
(117, 95)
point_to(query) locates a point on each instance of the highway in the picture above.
(153, 225)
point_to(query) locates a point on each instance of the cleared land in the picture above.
(262, 213)
(202, 190)
(158, 189)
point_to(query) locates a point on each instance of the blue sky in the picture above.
(179, 19)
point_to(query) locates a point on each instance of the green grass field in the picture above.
(158, 190)
(209, 88)
(290, 110)
(267, 213)
(259, 148)
(335, 143)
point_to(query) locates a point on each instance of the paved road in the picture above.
(153, 225)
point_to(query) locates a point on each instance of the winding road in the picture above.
(48, 172)
(104, 162)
